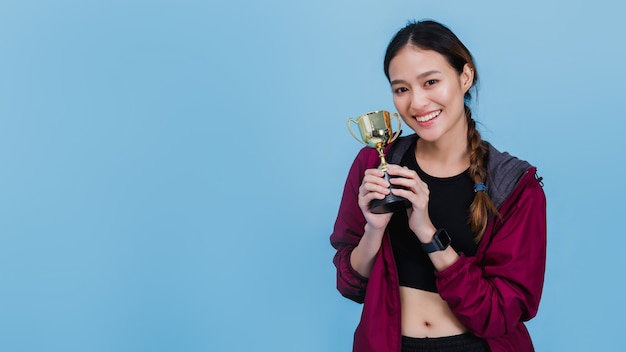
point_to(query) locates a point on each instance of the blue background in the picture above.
(170, 171)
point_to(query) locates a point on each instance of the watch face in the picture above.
(444, 238)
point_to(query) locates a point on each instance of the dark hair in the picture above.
(431, 35)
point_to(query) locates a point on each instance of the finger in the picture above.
(375, 176)
(403, 171)
(375, 180)
(369, 187)
(366, 199)
(369, 196)
(417, 201)
(374, 172)
(405, 193)
(416, 185)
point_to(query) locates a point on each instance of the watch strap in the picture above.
(441, 241)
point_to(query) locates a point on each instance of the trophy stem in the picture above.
(381, 155)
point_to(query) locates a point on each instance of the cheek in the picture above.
(442, 94)
(449, 95)
(403, 100)
(397, 101)
(401, 107)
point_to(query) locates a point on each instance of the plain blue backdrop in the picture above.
(170, 171)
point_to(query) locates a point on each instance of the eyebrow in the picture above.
(420, 76)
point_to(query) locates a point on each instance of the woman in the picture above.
(462, 268)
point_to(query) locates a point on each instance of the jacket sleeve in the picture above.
(349, 228)
(491, 295)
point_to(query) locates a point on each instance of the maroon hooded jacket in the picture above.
(491, 293)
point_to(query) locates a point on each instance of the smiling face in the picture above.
(429, 94)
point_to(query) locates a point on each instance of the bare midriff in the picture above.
(426, 314)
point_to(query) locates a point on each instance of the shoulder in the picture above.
(366, 158)
(396, 150)
(504, 172)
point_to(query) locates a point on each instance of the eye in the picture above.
(430, 82)
(400, 90)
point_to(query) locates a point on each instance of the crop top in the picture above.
(448, 208)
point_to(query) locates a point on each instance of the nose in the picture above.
(419, 99)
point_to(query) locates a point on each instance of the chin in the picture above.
(428, 136)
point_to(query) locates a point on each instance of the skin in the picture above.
(423, 85)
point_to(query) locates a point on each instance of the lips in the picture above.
(428, 117)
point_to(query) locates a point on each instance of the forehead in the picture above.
(412, 61)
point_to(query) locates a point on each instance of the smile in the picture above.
(428, 117)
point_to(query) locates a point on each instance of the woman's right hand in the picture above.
(374, 186)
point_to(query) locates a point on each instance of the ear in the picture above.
(467, 77)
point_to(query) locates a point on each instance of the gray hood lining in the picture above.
(503, 170)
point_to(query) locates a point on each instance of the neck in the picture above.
(445, 157)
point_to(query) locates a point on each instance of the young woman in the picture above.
(463, 267)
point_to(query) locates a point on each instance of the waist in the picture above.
(426, 314)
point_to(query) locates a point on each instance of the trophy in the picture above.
(376, 132)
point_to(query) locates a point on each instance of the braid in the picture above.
(482, 206)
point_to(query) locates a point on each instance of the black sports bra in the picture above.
(448, 207)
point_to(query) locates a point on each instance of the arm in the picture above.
(356, 239)
(490, 297)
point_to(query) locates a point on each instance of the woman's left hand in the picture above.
(416, 191)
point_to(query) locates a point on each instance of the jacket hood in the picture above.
(506, 169)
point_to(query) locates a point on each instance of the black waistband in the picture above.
(458, 343)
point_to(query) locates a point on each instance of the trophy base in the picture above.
(391, 203)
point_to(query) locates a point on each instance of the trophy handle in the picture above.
(352, 132)
(398, 131)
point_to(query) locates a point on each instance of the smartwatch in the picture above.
(440, 241)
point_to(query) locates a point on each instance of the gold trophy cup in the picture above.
(376, 132)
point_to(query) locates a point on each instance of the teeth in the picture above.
(428, 117)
